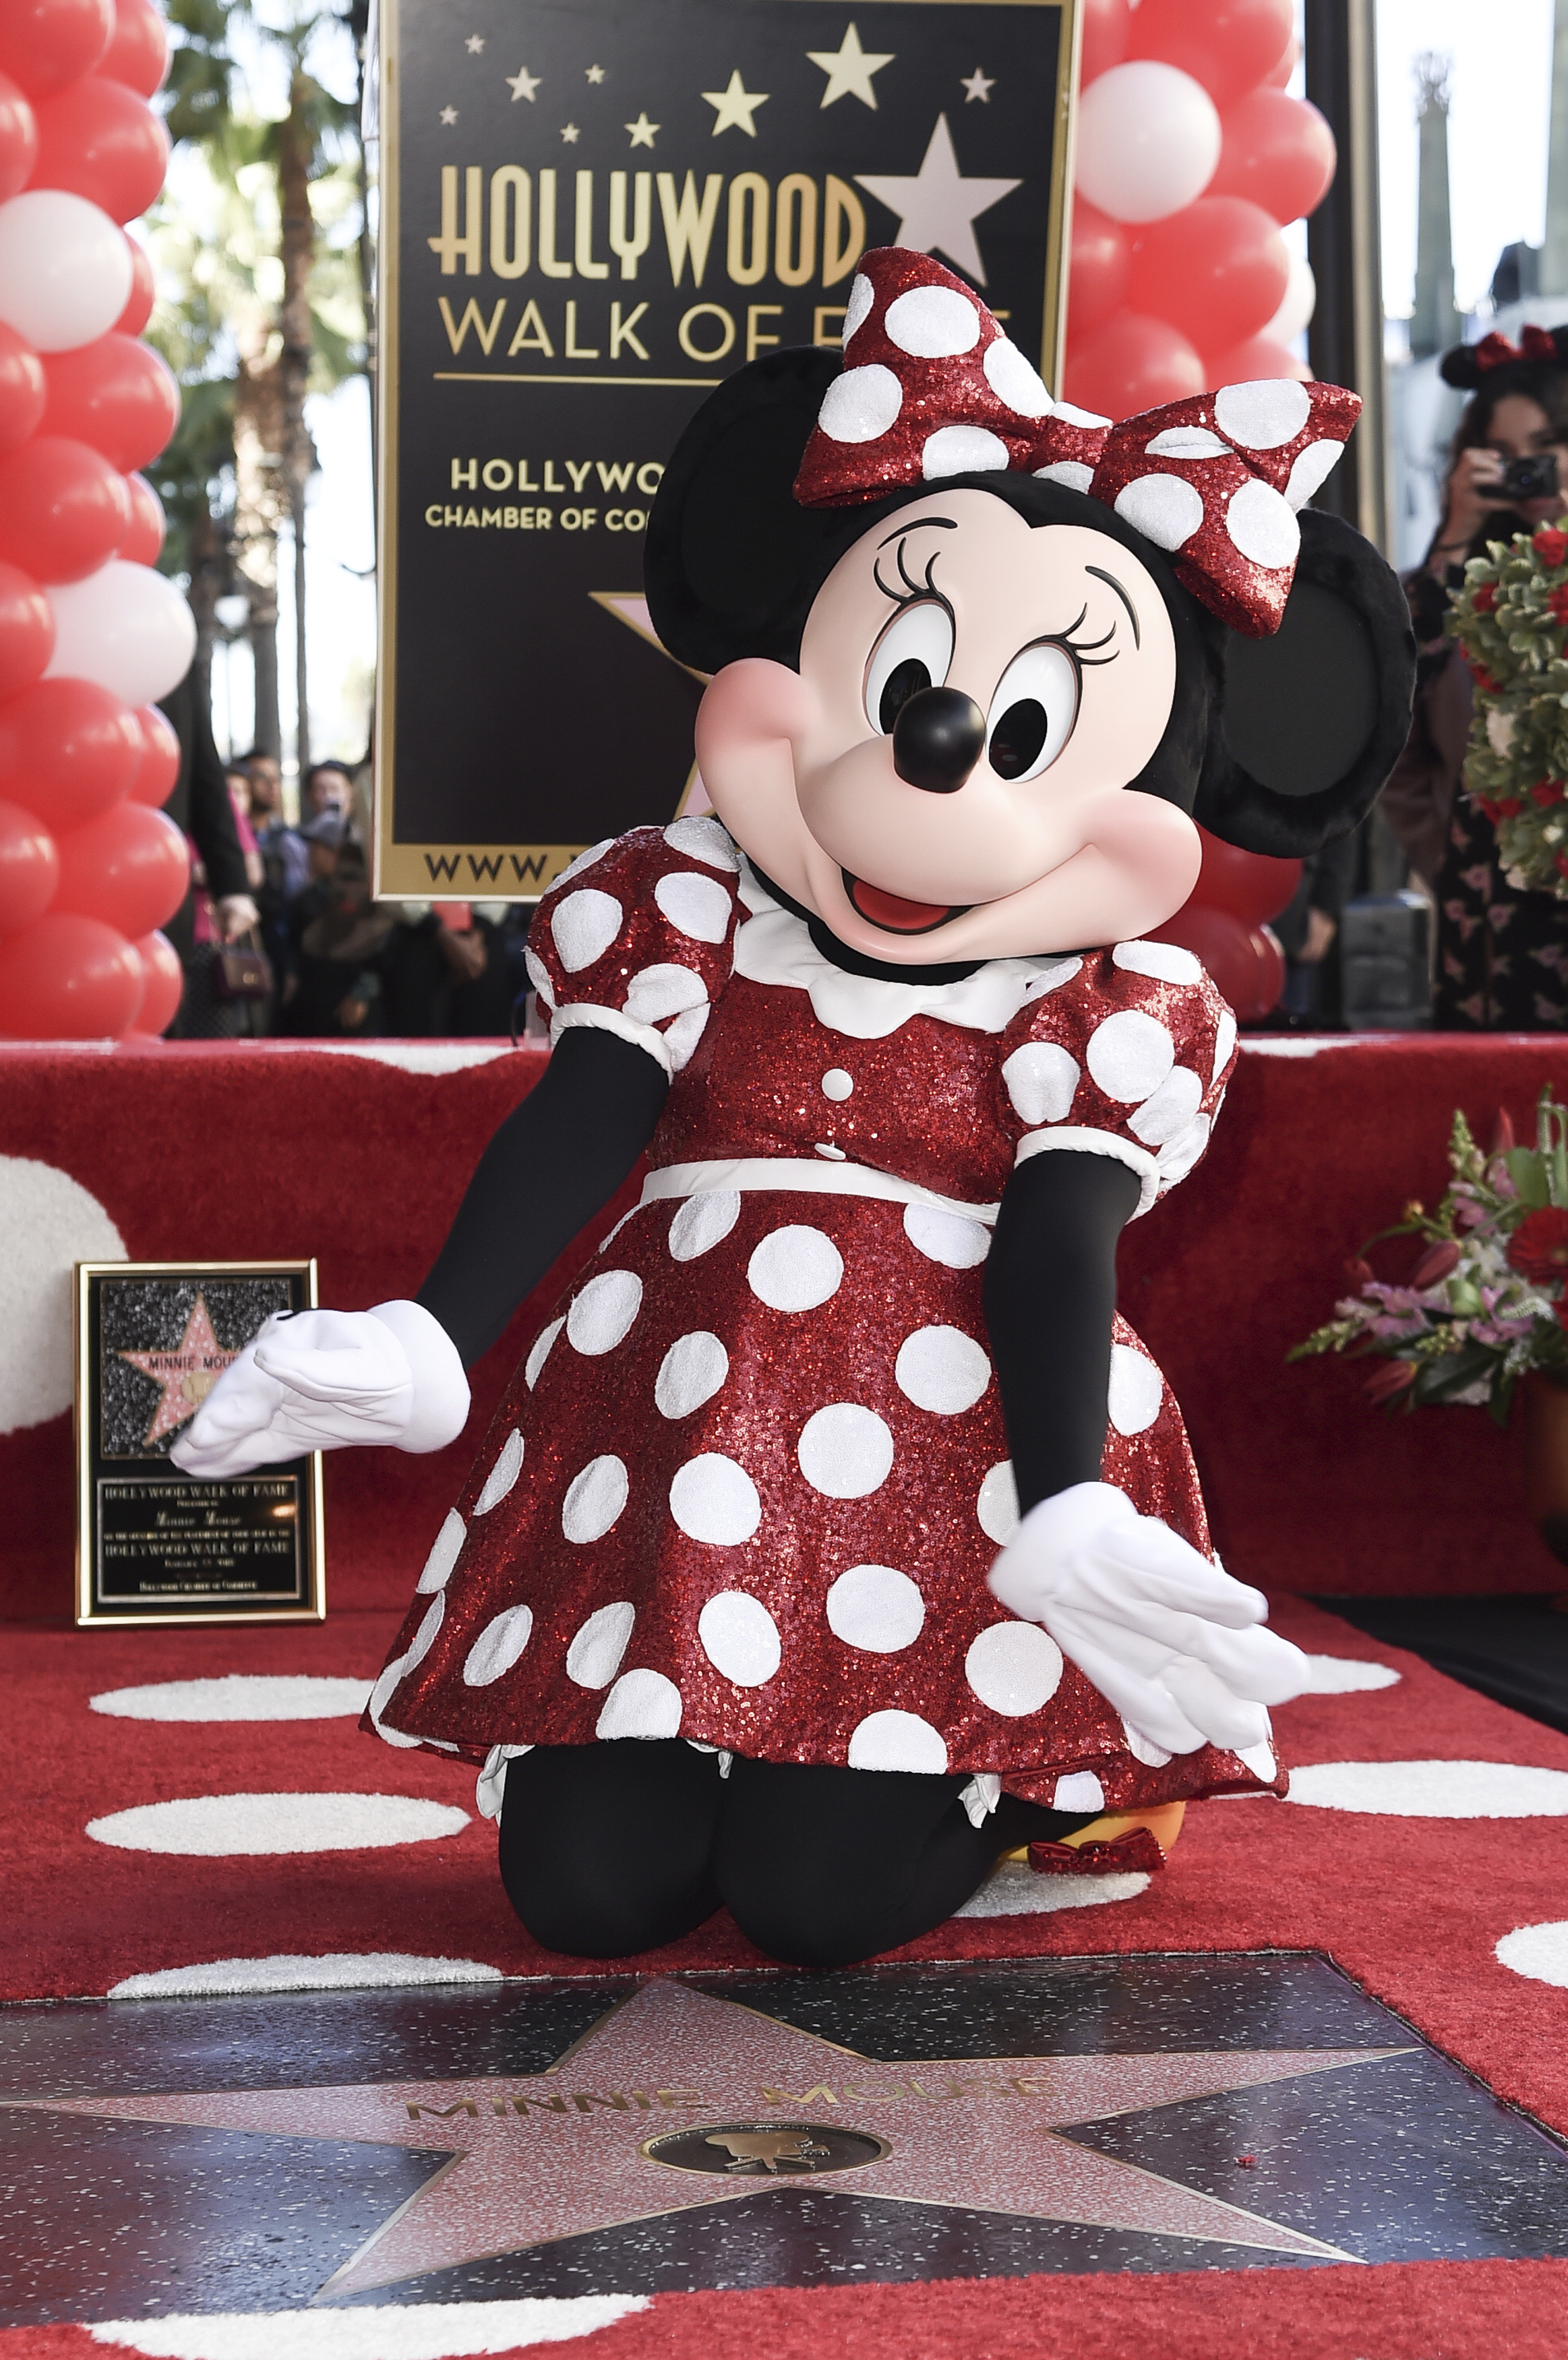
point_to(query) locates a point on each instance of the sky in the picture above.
(1500, 60)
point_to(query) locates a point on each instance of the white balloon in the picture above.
(65, 269)
(126, 627)
(1297, 304)
(1149, 140)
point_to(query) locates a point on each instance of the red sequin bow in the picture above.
(932, 387)
(1535, 343)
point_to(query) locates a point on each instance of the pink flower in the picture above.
(1435, 1264)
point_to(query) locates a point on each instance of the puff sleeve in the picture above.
(1124, 1052)
(637, 937)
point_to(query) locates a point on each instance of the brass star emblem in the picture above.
(849, 69)
(675, 2099)
(642, 130)
(522, 84)
(736, 106)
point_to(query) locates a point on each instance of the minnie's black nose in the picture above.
(938, 738)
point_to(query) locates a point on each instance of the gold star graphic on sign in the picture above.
(522, 84)
(449, 115)
(187, 1371)
(594, 74)
(642, 130)
(735, 105)
(849, 69)
(474, 44)
(977, 86)
(936, 206)
(570, 134)
(675, 2078)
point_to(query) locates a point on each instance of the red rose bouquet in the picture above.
(1510, 618)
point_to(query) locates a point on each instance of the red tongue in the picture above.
(890, 910)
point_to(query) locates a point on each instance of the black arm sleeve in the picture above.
(555, 1160)
(1051, 1292)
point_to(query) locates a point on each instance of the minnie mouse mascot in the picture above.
(838, 1534)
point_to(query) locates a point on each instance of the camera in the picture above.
(1534, 478)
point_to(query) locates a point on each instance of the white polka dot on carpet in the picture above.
(1538, 1952)
(1014, 1890)
(429, 2330)
(290, 1971)
(238, 1695)
(226, 1826)
(1347, 1675)
(1433, 1790)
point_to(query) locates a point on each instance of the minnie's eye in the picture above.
(1033, 712)
(912, 653)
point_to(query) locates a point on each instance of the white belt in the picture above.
(808, 1179)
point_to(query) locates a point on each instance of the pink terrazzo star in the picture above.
(560, 2154)
(187, 1371)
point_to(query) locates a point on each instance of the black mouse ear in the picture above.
(730, 557)
(1312, 720)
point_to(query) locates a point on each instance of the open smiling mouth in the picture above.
(893, 913)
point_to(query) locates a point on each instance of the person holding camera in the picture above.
(1502, 954)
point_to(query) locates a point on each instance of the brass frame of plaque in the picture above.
(155, 1547)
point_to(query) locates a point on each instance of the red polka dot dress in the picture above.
(748, 1485)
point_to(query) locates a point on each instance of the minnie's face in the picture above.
(945, 776)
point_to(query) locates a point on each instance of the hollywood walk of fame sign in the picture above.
(678, 2100)
(591, 214)
(155, 1546)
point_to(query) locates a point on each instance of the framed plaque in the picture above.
(591, 213)
(152, 1545)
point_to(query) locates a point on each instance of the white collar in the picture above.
(774, 946)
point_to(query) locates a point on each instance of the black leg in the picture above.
(822, 1866)
(607, 1849)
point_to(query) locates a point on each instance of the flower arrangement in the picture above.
(1487, 1299)
(1509, 618)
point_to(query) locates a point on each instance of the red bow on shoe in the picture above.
(931, 387)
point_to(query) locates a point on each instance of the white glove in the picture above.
(316, 1380)
(1168, 1639)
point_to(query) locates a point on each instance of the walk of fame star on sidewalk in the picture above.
(187, 1370)
(558, 2154)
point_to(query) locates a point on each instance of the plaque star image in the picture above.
(849, 69)
(937, 207)
(735, 105)
(978, 86)
(642, 130)
(522, 84)
(187, 1370)
(677, 2100)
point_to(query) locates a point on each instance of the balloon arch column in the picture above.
(90, 633)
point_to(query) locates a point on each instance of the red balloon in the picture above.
(137, 53)
(1108, 29)
(145, 539)
(1227, 45)
(130, 867)
(1253, 886)
(117, 394)
(138, 311)
(164, 982)
(1217, 270)
(63, 508)
(24, 389)
(44, 44)
(68, 752)
(1133, 363)
(154, 781)
(1279, 78)
(69, 979)
(1098, 274)
(1278, 151)
(18, 139)
(29, 867)
(26, 631)
(1246, 962)
(103, 142)
(1258, 356)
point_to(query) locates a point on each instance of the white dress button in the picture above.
(836, 1083)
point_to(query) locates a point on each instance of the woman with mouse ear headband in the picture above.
(1502, 951)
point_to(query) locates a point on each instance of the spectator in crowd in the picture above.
(1502, 953)
(220, 908)
(1307, 929)
(338, 941)
(454, 968)
(328, 787)
(237, 781)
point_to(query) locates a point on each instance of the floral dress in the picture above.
(747, 1484)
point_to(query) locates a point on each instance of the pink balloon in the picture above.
(165, 981)
(44, 44)
(1217, 271)
(68, 752)
(1258, 356)
(24, 389)
(1227, 45)
(1132, 362)
(26, 632)
(29, 867)
(1278, 151)
(1098, 272)
(138, 309)
(117, 395)
(144, 538)
(130, 867)
(69, 979)
(1108, 29)
(103, 142)
(18, 139)
(138, 47)
(154, 782)
(64, 510)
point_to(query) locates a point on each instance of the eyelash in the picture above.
(913, 591)
(1082, 651)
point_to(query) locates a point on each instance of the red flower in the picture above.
(1561, 864)
(1538, 1247)
(1557, 604)
(1547, 791)
(1510, 807)
(1436, 1263)
(1486, 599)
(1503, 1134)
(1482, 677)
(1549, 545)
(1392, 1379)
